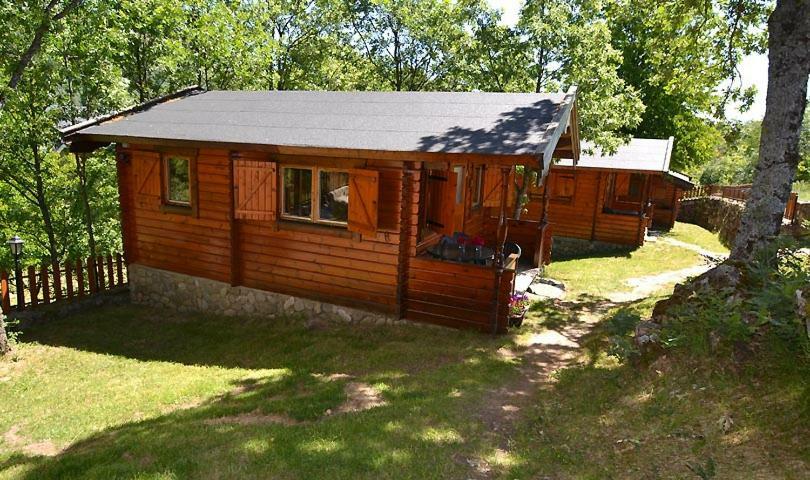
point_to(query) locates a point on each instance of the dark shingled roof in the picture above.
(464, 122)
(641, 154)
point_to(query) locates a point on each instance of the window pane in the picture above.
(179, 188)
(478, 180)
(334, 196)
(298, 192)
(459, 184)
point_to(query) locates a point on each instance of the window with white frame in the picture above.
(315, 194)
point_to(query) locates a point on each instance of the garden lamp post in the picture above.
(15, 244)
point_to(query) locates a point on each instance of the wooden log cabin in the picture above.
(326, 203)
(611, 199)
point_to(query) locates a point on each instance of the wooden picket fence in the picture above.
(739, 193)
(64, 282)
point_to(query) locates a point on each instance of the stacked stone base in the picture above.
(184, 293)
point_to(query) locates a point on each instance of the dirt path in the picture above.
(555, 348)
(544, 353)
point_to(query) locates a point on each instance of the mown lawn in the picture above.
(695, 235)
(129, 392)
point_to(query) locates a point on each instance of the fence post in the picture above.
(57, 282)
(4, 294)
(32, 285)
(119, 263)
(46, 285)
(110, 272)
(80, 277)
(100, 272)
(69, 280)
(92, 284)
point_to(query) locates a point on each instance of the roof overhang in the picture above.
(562, 134)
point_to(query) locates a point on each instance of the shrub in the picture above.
(764, 304)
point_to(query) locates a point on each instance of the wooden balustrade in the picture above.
(56, 283)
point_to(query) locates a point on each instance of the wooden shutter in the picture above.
(254, 184)
(492, 187)
(364, 194)
(146, 171)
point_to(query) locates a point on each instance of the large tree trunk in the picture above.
(788, 69)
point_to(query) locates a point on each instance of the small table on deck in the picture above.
(453, 253)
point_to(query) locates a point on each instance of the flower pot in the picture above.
(516, 319)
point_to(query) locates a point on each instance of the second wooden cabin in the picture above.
(610, 199)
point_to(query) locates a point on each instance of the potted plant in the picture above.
(518, 306)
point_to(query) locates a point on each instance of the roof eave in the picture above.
(555, 130)
(70, 133)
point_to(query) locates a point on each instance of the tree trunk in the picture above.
(44, 207)
(81, 173)
(788, 69)
(522, 191)
(5, 347)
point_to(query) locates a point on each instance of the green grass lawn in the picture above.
(605, 420)
(607, 273)
(133, 393)
(686, 232)
(130, 393)
(803, 189)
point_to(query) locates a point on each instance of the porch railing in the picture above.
(47, 284)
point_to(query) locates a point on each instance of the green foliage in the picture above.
(765, 306)
(738, 154)
(620, 328)
(677, 53)
(570, 43)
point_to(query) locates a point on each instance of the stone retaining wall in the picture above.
(184, 293)
(722, 216)
(716, 214)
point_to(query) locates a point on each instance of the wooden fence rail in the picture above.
(739, 193)
(60, 282)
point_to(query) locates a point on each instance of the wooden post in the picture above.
(19, 289)
(32, 285)
(69, 279)
(92, 286)
(119, 264)
(46, 285)
(405, 225)
(5, 297)
(57, 282)
(503, 231)
(80, 277)
(233, 225)
(100, 272)
(110, 272)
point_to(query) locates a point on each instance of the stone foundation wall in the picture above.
(722, 216)
(718, 215)
(184, 293)
(570, 247)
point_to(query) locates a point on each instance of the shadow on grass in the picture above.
(618, 252)
(430, 380)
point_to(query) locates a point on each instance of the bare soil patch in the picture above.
(45, 448)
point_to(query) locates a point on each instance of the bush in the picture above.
(764, 305)
(620, 329)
